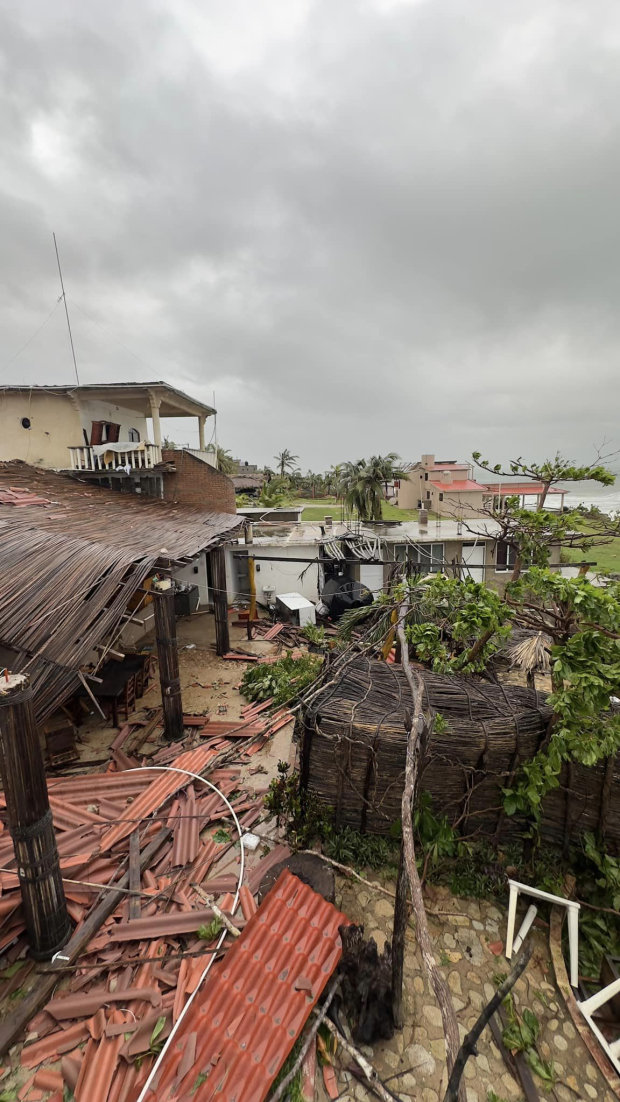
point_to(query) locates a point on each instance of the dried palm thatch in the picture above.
(532, 653)
(353, 755)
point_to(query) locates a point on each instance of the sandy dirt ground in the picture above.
(209, 685)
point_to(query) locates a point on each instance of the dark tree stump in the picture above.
(367, 992)
(311, 870)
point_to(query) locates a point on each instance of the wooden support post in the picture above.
(30, 821)
(168, 655)
(249, 539)
(220, 601)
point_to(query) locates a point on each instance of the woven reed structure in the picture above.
(353, 756)
(353, 745)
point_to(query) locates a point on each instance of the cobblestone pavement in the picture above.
(462, 938)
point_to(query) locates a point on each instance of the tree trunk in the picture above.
(436, 979)
(478, 645)
(398, 939)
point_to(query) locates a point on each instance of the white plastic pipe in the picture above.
(530, 915)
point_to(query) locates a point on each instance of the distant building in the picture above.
(449, 489)
(111, 433)
(302, 556)
(249, 483)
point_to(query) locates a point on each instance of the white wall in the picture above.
(209, 456)
(284, 576)
(95, 410)
(187, 574)
(133, 633)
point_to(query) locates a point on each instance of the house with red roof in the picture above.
(448, 488)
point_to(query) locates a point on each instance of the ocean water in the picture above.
(605, 498)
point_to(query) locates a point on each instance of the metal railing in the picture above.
(143, 457)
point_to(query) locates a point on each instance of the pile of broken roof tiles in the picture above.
(112, 1012)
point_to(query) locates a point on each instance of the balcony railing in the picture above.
(103, 457)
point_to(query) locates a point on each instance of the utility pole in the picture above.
(64, 299)
(168, 656)
(30, 820)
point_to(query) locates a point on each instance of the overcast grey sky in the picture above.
(366, 224)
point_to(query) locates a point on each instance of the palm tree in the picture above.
(333, 478)
(275, 493)
(286, 461)
(225, 461)
(391, 468)
(363, 484)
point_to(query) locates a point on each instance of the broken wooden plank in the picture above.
(134, 874)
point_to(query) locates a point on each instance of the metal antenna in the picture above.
(64, 299)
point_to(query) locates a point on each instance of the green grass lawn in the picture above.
(606, 557)
(316, 510)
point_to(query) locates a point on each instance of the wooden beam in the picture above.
(134, 874)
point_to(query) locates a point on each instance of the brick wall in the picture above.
(197, 483)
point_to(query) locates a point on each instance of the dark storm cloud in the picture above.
(367, 225)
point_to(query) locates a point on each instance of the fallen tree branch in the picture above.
(374, 884)
(219, 914)
(468, 1048)
(436, 979)
(312, 1032)
(371, 1074)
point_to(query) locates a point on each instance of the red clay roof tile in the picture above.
(47, 1049)
(48, 1080)
(250, 1015)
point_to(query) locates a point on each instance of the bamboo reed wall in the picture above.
(353, 755)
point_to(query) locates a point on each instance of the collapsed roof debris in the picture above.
(71, 558)
(112, 1010)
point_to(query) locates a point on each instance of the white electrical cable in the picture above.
(203, 780)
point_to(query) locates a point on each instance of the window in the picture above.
(424, 558)
(505, 556)
(26, 422)
(104, 432)
(426, 476)
(428, 494)
(134, 436)
(441, 497)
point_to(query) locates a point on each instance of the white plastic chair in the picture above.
(513, 944)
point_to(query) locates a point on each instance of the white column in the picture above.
(155, 404)
(201, 431)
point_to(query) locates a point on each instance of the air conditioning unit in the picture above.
(295, 609)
